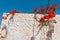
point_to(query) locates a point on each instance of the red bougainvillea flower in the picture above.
(35, 9)
(54, 6)
(13, 12)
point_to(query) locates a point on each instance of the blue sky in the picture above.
(23, 5)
